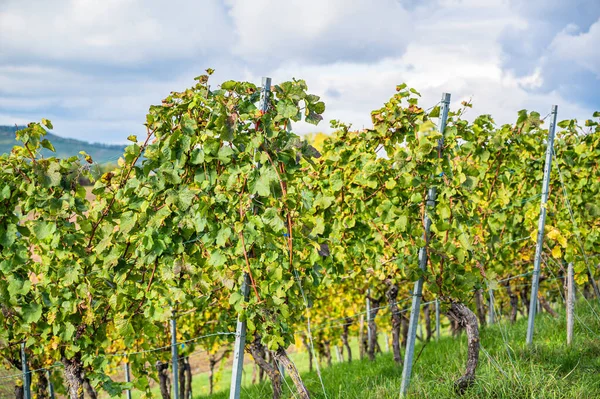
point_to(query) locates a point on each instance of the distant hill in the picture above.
(65, 147)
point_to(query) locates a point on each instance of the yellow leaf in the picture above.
(556, 252)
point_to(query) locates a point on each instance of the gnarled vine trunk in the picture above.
(362, 339)
(257, 350)
(404, 328)
(546, 306)
(466, 319)
(310, 353)
(188, 375)
(41, 388)
(327, 352)
(480, 306)
(212, 362)
(345, 333)
(372, 326)
(182, 381)
(89, 389)
(392, 297)
(514, 302)
(163, 379)
(19, 392)
(428, 330)
(525, 299)
(282, 358)
(73, 377)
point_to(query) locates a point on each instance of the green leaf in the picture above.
(189, 125)
(43, 230)
(185, 198)
(5, 193)
(224, 154)
(319, 226)
(272, 219)
(286, 109)
(217, 258)
(47, 145)
(263, 183)
(401, 222)
(229, 85)
(223, 236)
(197, 156)
(47, 123)
(32, 312)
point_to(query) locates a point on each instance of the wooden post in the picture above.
(570, 303)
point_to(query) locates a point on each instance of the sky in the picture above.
(94, 67)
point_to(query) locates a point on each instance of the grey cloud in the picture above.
(320, 31)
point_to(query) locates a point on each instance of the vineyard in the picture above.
(225, 234)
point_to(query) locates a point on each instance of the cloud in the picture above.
(580, 48)
(112, 32)
(95, 67)
(557, 43)
(319, 31)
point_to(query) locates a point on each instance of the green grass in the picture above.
(547, 370)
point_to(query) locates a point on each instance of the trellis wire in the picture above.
(576, 228)
(310, 338)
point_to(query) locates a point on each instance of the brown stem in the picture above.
(514, 302)
(74, 377)
(257, 350)
(345, 332)
(282, 358)
(163, 379)
(480, 306)
(310, 354)
(428, 330)
(372, 326)
(392, 297)
(467, 319)
(182, 380)
(91, 392)
(19, 392)
(188, 374)
(546, 306)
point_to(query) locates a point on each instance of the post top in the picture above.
(446, 98)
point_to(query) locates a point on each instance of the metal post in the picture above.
(240, 331)
(570, 303)
(50, 385)
(337, 354)
(492, 316)
(437, 319)
(26, 374)
(535, 278)
(238, 349)
(174, 356)
(418, 290)
(127, 378)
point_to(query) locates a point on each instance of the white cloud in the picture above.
(120, 32)
(95, 67)
(581, 48)
(309, 30)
